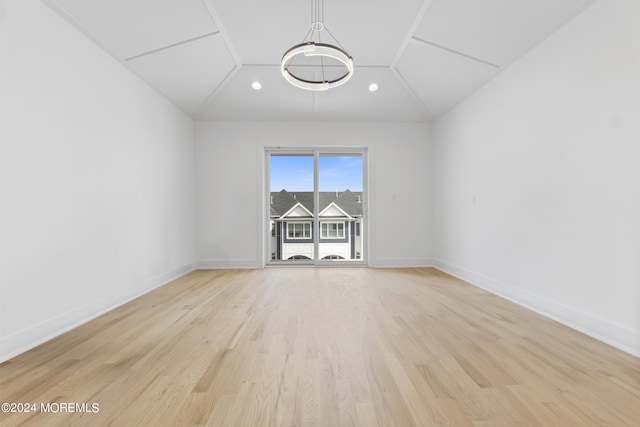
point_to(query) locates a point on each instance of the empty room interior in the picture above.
(320, 212)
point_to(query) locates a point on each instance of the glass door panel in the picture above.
(291, 222)
(340, 207)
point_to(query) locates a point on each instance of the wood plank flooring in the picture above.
(324, 347)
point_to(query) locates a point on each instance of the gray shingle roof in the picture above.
(349, 201)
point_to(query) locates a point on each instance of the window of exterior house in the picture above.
(299, 230)
(332, 230)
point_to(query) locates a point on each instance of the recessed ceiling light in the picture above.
(373, 87)
(256, 85)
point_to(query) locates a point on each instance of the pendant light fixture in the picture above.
(321, 73)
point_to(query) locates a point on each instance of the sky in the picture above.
(335, 173)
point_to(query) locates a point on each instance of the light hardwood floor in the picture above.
(325, 347)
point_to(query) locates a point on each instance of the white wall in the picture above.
(537, 178)
(96, 180)
(230, 186)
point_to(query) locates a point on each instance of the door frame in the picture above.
(316, 152)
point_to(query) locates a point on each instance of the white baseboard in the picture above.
(214, 264)
(26, 339)
(403, 263)
(603, 330)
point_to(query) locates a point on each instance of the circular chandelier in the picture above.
(335, 56)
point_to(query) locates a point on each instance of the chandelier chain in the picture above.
(334, 39)
(317, 11)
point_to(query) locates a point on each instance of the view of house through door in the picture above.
(316, 207)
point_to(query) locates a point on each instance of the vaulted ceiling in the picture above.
(425, 55)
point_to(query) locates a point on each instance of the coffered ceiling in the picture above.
(425, 55)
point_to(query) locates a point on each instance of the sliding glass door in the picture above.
(316, 206)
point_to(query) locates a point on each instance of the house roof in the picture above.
(283, 201)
